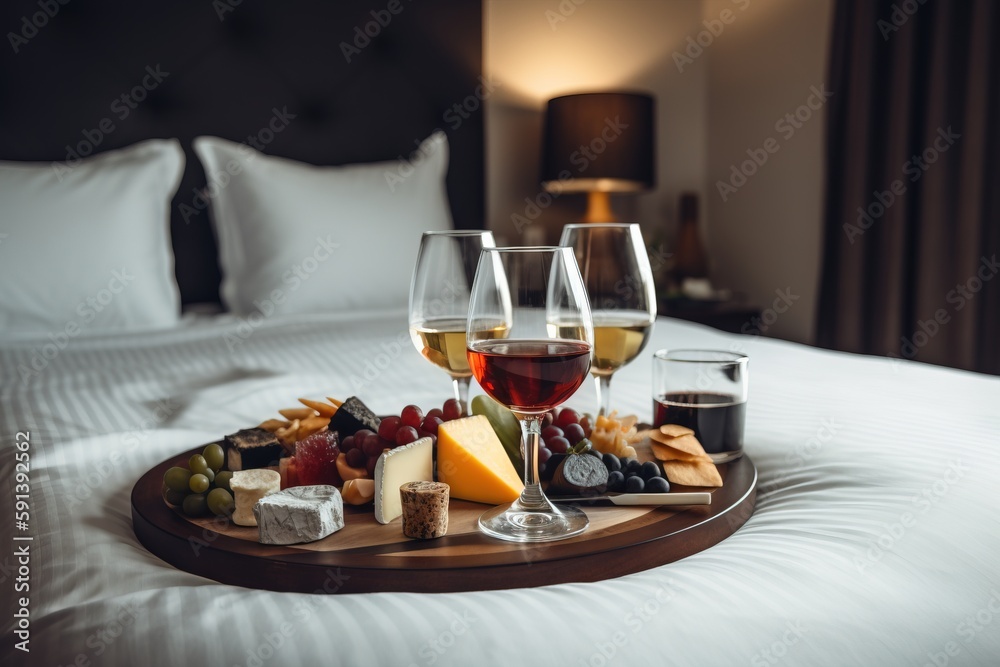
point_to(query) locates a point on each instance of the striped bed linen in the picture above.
(875, 540)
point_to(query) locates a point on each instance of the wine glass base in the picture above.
(517, 524)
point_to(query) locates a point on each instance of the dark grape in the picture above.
(634, 485)
(548, 469)
(412, 416)
(547, 420)
(386, 444)
(612, 462)
(566, 417)
(558, 445)
(452, 409)
(372, 446)
(430, 424)
(406, 434)
(370, 466)
(657, 485)
(552, 432)
(616, 480)
(631, 466)
(356, 458)
(435, 412)
(387, 429)
(347, 444)
(574, 433)
(587, 425)
(195, 504)
(359, 437)
(544, 454)
(649, 470)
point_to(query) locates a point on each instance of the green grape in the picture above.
(197, 464)
(195, 504)
(173, 497)
(177, 479)
(199, 483)
(211, 475)
(220, 502)
(214, 456)
(222, 480)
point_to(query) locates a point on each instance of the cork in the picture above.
(425, 509)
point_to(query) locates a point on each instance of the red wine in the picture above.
(716, 419)
(530, 375)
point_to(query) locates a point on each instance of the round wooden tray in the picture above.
(366, 556)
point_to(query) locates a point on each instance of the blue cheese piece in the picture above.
(299, 514)
(411, 463)
(248, 487)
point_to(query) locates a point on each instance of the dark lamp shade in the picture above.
(599, 142)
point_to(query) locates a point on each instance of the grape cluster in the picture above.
(630, 476)
(202, 486)
(364, 447)
(561, 430)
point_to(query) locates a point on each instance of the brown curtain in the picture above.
(912, 215)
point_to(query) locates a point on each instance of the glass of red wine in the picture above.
(526, 292)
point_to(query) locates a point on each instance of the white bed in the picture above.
(875, 540)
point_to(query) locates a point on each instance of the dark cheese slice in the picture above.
(252, 448)
(353, 416)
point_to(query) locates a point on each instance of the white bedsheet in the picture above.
(875, 540)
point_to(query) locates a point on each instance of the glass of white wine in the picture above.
(439, 301)
(615, 268)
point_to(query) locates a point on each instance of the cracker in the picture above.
(668, 453)
(685, 443)
(675, 430)
(692, 473)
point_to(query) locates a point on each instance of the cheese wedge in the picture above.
(473, 463)
(248, 487)
(411, 463)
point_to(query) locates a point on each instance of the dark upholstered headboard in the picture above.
(224, 68)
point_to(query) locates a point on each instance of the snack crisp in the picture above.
(683, 457)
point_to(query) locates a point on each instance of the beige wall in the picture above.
(725, 100)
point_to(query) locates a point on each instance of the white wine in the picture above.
(617, 340)
(442, 342)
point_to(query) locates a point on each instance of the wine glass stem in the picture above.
(461, 386)
(531, 430)
(603, 383)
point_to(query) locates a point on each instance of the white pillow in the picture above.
(296, 238)
(86, 246)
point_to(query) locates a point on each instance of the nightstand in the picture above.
(733, 316)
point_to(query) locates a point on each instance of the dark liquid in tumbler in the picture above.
(716, 419)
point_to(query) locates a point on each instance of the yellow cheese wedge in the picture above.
(473, 463)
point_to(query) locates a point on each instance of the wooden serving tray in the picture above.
(366, 556)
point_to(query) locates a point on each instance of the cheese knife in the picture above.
(663, 499)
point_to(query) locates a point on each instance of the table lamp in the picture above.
(599, 143)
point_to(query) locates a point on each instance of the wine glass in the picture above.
(532, 369)
(439, 301)
(615, 268)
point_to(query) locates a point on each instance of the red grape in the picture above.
(574, 433)
(566, 417)
(552, 432)
(406, 435)
(386, 444)
(586, 425)
(412, 416)
(558, 445)
(370, 466)
(356, 458)
(547, 419)
(387, 429)
(372, 446)
(430, 424)
(544, 454)
(359, 437)
(452, 409)
(348, 444)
